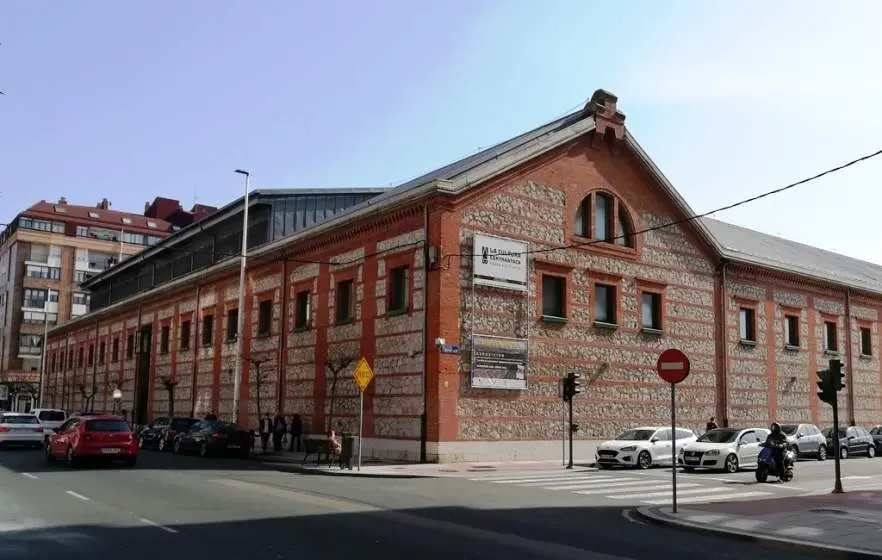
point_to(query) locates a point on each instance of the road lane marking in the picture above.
(77, 496)
(667, 493)
(29, 475)
(157, 525)
(628, 514)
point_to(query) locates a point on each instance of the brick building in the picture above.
(417, 277)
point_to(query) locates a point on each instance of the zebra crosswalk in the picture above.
(627, 486)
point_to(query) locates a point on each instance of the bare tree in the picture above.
(335, 367)
(88, 394)
(168, 384)
(259, 379)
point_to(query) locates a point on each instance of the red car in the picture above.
(98, 437)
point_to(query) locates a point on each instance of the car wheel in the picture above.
(822, 453)
(731, 464)
(843, 452)
(203, 450)
(141, 443)
(70, 457)
(644, 460)
(163, 444)
(176, 449)
(871, 451)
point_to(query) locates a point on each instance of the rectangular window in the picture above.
(130, 346)
(344, 301)
(185, 335)
(163, 339)
(602, 217)
(91, 354)
(791, 331)
(102, 352)
(42, 272)
(265, 318)
(38, 253)
(831, 337)
(398, 287)
(652, 311)
(80, 355)
(207, 330)
(301, 311)
(866, 341)
(114, 350)
(70, 359)
(30, 344)
(554, 296)
(34, 298)
(605, 304)
(747, 325)
(232, 324)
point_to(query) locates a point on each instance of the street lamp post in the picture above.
(43, 350)
(117, 396)
(240, 339)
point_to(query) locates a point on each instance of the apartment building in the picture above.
(48, 250)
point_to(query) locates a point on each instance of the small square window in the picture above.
(301, 311)
(94, 215)
(747, 325)
(163, 339)
(398, 286)
(151, 225)
(831, 337)
(554, 296)
(791, 331)
(652, 311)
(605, 304)
(232, 324)
(265, 318)
(866, 341)
(61, 210)
(344, 301)
(126, 221)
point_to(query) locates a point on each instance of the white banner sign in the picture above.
(498, 262)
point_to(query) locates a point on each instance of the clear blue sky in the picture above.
(130, 100)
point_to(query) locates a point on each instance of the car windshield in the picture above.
(9, 419)
(52, 416)
(828, 433)
(107, 426)
(719, 436)
(789, 429)
(635, 435)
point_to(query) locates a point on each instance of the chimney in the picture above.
(146, 208)
(104, 204)
(62, 201)
(608, 120)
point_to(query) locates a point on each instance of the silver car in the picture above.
(806, 440)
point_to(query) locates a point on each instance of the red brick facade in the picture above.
(700, 298)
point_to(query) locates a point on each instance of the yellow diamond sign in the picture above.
(363, 374)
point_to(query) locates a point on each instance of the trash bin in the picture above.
(347, 453)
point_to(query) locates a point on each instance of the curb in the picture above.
(830, 551)
(299, 469)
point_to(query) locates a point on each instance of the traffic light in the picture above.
(837, 375)
(576, 383)
(827, 392)
(572, 385)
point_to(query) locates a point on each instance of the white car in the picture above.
(17, 428)
(641, 447)
(50, 418)
(724, 449)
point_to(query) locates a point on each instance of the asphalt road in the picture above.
(185, 507)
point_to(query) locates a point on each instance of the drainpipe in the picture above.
(97, 348)
(282, 378)
(849, 356)
(724, 362)
(196, 346)
(424, 418)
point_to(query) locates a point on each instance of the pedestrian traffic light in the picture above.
(837, 375)
(827, 391)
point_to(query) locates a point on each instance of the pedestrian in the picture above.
(296, 430)
(711, 424)
(211, 417)
(266, 430)
(279, 429)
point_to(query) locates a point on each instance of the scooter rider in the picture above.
(777, 441)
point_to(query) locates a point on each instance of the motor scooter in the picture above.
(765, 465)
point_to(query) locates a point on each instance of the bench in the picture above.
(318, 446)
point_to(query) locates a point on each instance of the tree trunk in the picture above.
(171, 402)
(333, 398)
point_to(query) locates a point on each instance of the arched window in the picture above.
(602, 217)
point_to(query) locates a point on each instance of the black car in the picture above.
(213, 437)
(161, 433)
(853, 440)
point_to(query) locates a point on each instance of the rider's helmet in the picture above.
(775, 427)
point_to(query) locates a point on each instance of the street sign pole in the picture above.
(673, 367)
(563, 426)
(837, 483)
(360, 424)
(363, 376)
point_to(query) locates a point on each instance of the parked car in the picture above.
(20, 429)
(161, 433)
(853, 440)
(877, 438)
(211, 437)
(98, 437)
(806, 440)
(725, 449)
(641, 447)
(50, 419)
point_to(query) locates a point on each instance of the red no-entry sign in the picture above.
(672, 366)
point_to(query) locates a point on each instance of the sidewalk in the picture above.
(292, 461)
(847, 524)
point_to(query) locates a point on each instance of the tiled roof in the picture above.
(753, 247)
(111, 219)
